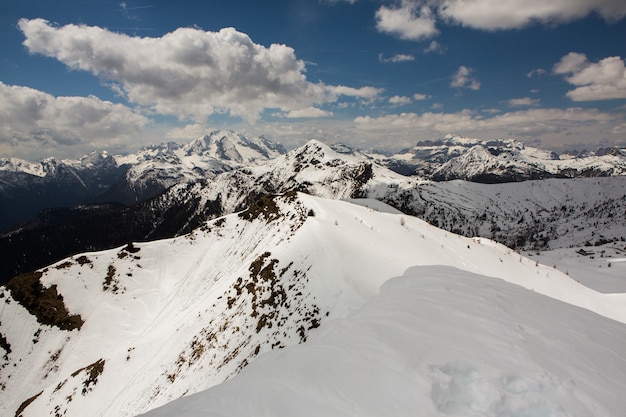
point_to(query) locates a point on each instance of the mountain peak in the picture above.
(227, 145)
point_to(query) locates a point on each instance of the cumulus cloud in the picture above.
(31, 118)
(308, 113)
(417, 19)
(187, 132)
(420, 97)
(434, 47)
(189, 73)
(396, 58)
(400, 100)
(602, 80)
(523, 102)
(412, 20)
(363, 93)
(463, 78)
(530, 123)
(512, 14)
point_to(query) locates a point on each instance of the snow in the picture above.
(437, 341)
(470, 327)
(460, 157)
(20, 165)
(602, 268)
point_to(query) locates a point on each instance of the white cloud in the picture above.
(33, 122)
(400, 100)
(364, 93)
(308, 113)
(420, 97)
(603, 80)
(417, 19)
(188, 72)
(434, 47)
(412, 20)
(463, 78)
(187, 132)
(511, 14)
(396, 58)
(536, 72)
(491, 111)
(554, 126)
(523, 102)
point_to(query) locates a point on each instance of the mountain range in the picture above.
(534, 214)
(319, 281)
(470, 327)
(26, 188)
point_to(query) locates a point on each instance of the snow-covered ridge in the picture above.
(552, 213)
(169, 318)
(504, 160)
(27, 188)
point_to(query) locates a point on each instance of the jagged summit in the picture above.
(501, 160)
(102, 177)
(230, 146)
(155, 169)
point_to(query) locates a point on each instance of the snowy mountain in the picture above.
(505, 160)
(27, 188)
(553, 213)
(156, 168)
(314, 168)
(540, 215)
(471, 327)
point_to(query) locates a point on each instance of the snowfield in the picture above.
(437, 341)
(397, 316)
(602, 268)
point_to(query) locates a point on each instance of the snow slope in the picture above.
(545, 214)
(602, 268)
(170, 318)
(437, 341)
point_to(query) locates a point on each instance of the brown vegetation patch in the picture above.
(64, 265)
(93, 371)
(82, 260)
(46, 304)
(25, 404)
(4, 344)
(130, 248)
(274, 296)
(265, 207)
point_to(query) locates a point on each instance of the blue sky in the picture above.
(76, 76)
